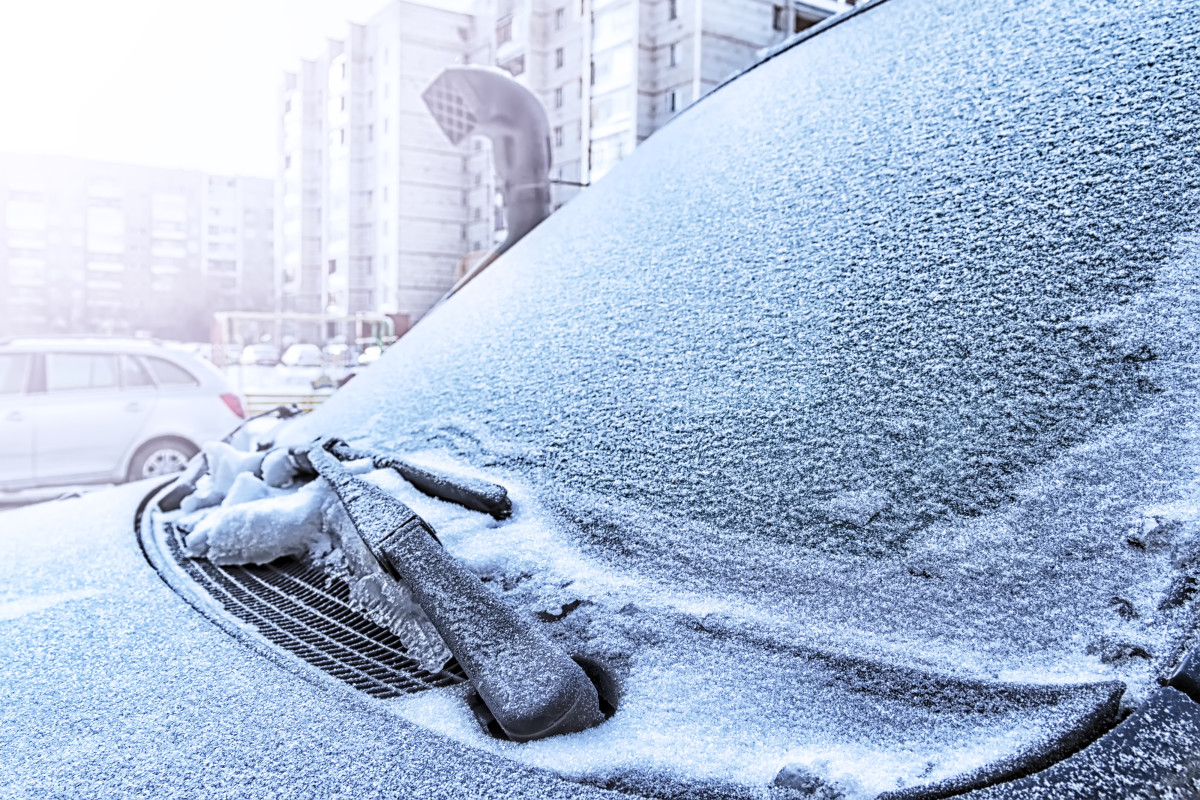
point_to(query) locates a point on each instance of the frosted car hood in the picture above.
(114, 687)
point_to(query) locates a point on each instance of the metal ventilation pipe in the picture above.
(487, 101)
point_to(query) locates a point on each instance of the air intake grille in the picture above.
(301, 609)
(450, 109)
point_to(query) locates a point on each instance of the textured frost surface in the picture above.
(882, 350)
(861, 391)
(113, 687)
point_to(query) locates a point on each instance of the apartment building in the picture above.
(95, 247)
(371, 193)
(379, 212)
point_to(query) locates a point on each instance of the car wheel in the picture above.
(161, 457)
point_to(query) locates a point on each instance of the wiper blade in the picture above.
(473, 493)
(531, 687)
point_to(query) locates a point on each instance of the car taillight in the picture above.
(235, 404)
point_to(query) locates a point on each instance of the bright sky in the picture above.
(172, 83)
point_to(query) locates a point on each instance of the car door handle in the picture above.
(15, 416)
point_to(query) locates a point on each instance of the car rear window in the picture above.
(167, 374)
(14, 369)
(66, 372)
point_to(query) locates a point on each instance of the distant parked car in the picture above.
(302, 355)
(264, 355)
(338, 354)
(103, 410)
(370, 355)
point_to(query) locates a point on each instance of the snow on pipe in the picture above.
(531, 687)
(487, 101)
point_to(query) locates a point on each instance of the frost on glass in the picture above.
(883, 352)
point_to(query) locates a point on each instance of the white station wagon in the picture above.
(102, 410)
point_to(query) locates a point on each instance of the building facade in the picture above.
(371, 195)
(95, 247)
(379, 212)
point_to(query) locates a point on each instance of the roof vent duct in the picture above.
(487, 101)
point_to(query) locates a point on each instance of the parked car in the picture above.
(370, 355)
(337, 354)
(263, 355)
(302, 355)
(847, 431)
(101, 410)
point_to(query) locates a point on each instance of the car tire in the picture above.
(161, 457)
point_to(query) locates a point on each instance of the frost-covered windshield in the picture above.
(897, 328)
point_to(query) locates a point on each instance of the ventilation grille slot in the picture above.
(298, 607)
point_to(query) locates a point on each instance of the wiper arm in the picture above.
(532, 688)
(473, 493)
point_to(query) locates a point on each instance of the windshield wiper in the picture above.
(531, 687)
(473, 493)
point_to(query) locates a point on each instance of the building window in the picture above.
(558, 97)
(504, 31)
(478, 213)
(479, 179)
(672, 102)
(779, 18)
(674, 54)
(464, 201)
(341, 135)
(558, 58)
(370, 133)
(343, 69)
(462, 233)
(342, 103)
(558, 137)
(559, 15)
(672, 9)
(803, 24)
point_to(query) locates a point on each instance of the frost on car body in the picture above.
(834, 416)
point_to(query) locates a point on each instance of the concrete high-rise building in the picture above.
(370, 191)
(95, 247)
(379, 212)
